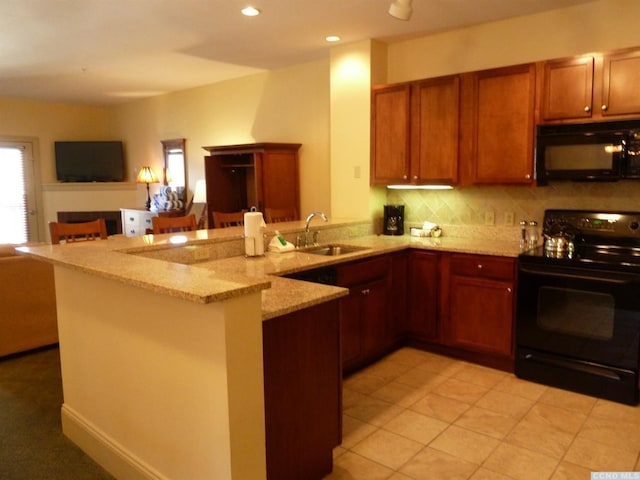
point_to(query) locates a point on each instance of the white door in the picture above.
(18, 212)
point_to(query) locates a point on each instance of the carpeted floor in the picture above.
(32, 446)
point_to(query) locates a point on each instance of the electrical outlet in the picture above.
(489, 218)
(508, 219)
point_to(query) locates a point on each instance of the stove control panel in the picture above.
(606, 224)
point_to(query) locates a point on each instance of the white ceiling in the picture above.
(108, 51)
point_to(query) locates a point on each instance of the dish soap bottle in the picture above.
(281, 239)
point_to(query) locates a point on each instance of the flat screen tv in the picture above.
(90, 161)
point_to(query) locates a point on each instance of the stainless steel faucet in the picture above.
(306, 226)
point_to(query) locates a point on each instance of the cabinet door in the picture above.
(375, 326)
(481, 315)
(350, 326)
(277, 180)
(364, 314)
(503, 125)
(398, 296)
(620, 80)
(364, 323)
(390, 134)
(567, 90)
(423, 295)
(435, 121)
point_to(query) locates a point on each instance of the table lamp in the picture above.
(146, 175)
(200, 196)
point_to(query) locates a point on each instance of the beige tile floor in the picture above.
(417, 415)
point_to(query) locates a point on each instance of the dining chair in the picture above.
(72, 232)
(186, 223)
(226, 219)
(273, 215)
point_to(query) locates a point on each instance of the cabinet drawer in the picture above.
(483, 266)
(363, 271)
(131, 217)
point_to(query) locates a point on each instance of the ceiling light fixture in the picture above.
(332, 38)
(401, 9)
(250, 12)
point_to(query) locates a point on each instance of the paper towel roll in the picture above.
(253, 234)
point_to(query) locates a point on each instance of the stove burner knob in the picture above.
(634, 225)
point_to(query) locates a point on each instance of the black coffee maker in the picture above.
(393, 220)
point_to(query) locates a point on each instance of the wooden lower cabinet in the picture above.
(423, 296)
(399, 296)
(303, 392)
(480, 304)
(364, 314)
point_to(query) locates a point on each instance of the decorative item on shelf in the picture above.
(200, 196)
(146, 175)
(167, 199)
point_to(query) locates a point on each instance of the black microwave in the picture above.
(604, 151)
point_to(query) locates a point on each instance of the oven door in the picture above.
(578, 328)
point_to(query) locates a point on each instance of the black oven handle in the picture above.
(580, 274)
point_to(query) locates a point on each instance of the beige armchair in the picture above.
(27, 303)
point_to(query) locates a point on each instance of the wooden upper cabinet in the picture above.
(567, 90)
(502, 124)
(435, 123)
(390, 134)
(602, 87)
(620, 84)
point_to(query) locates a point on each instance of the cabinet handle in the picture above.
(528, 176)
(404, 177)
(604, 108)
(587, 109)
(415, 177)
(480, 266)
(509, 289)
(365, 291)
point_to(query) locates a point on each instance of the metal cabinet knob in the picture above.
(509, 289)
(415, 177)
(404, 177)
(528, 176)
(480, 266)
(587, 109)
(604, 108)
(365, 291)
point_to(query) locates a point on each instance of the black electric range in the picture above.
(578, 307)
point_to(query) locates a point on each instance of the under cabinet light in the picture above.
(419, 187)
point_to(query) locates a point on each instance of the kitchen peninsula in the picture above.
(161, 342)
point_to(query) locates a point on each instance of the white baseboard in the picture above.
(108, 453)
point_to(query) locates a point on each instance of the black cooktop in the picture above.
(608, 240)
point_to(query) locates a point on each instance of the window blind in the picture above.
(13, 201)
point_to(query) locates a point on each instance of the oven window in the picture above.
(576, 312)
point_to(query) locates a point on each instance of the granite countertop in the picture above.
(151, 263)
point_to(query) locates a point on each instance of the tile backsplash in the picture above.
(474, 207)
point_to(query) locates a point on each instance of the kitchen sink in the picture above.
(332, 250)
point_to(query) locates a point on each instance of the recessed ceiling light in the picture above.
(332, 38)
(250, 12)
